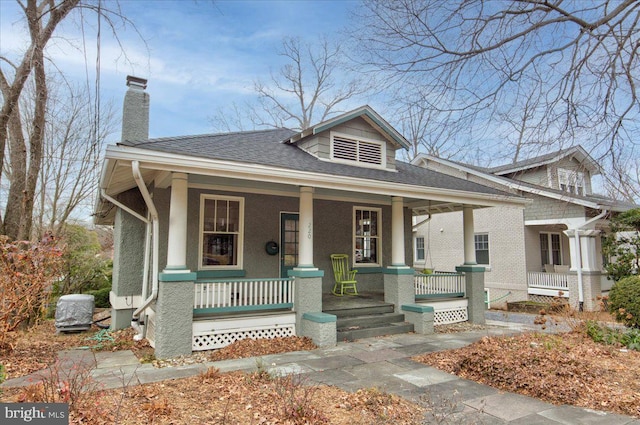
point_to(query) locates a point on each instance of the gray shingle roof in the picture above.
(265, 147)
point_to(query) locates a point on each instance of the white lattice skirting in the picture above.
(450, 311)
(213, 334)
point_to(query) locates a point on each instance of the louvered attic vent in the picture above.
(357, 151)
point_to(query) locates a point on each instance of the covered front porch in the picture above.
(565, 261)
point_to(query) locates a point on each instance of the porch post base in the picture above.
(174, 319)
(398, 289)
(474, 290)
(592, 284)
(307, 297)
(321, 328)
(421, 316)
(121, 318)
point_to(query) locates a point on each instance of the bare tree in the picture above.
(69, 172)
(26, 142)
(312, 86)
(560, 72)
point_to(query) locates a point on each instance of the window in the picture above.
(550, 248)
(365, 152)
(221, 229)
(481, 242)
(367, 233)
(419, 249)
(571, 181)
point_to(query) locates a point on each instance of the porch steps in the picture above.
(367, 322)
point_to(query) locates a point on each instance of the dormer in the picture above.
(359, 138)
(569, 170)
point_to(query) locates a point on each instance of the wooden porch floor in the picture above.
(349, 302)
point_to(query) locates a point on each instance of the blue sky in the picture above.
(199, 55)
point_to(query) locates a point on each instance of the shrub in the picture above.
(27, 273)
(624, 301)
(101, 297)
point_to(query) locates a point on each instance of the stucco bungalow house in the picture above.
(226, 236)
(551, 248)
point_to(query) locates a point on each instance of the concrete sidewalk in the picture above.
(382, 362)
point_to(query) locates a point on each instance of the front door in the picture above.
(288, 242)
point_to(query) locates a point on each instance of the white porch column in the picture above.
(177, 243)
(588, 249)
(305, 249)
(397, 232)
(468, 232)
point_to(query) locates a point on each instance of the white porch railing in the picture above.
(551, 284)
(243, 295)
(439, 284)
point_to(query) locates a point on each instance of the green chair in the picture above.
(344, 277)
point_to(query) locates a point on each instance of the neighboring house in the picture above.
(531, 253)
(212, 232)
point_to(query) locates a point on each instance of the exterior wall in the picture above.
(544, 208)
(537, 176)
(444, 248)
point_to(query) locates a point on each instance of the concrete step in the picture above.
(359, 332)
(369, 320)
(361, 311)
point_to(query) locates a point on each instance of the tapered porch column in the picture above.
(474, 274)
(174, 305)
(177, 243)
(582, 249)
(305, 249)
(468, 232)
(398, 278)
(397, 232)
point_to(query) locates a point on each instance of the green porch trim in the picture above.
(183, 267)
(399, 271)
(368, 270)
(177, 277)
(269, 279)
(437, 296)
(243, 308)
(219, 274)
(305, 273)
(417, 308)
(319, 317)
(470, 268)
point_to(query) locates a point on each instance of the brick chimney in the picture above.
(135, 111)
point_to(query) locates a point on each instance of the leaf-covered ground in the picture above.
(562, 369)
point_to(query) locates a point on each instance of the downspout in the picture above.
(579, 255)
(135, 168)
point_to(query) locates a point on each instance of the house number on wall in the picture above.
(309, 231)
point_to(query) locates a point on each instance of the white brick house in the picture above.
(534, 252)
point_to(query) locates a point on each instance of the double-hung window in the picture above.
(550, 248)
(367, 238)
(221, 228)
(571, 181)
(420, 248)
(481, 242)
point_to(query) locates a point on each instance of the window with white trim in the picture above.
(481, 243)
(419, 248)
(221, 228)
(367, 241)
(370, 153)
(571, 181)
(550, 248)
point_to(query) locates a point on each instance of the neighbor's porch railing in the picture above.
(236, 295)
(551, 284)
(438, 284)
